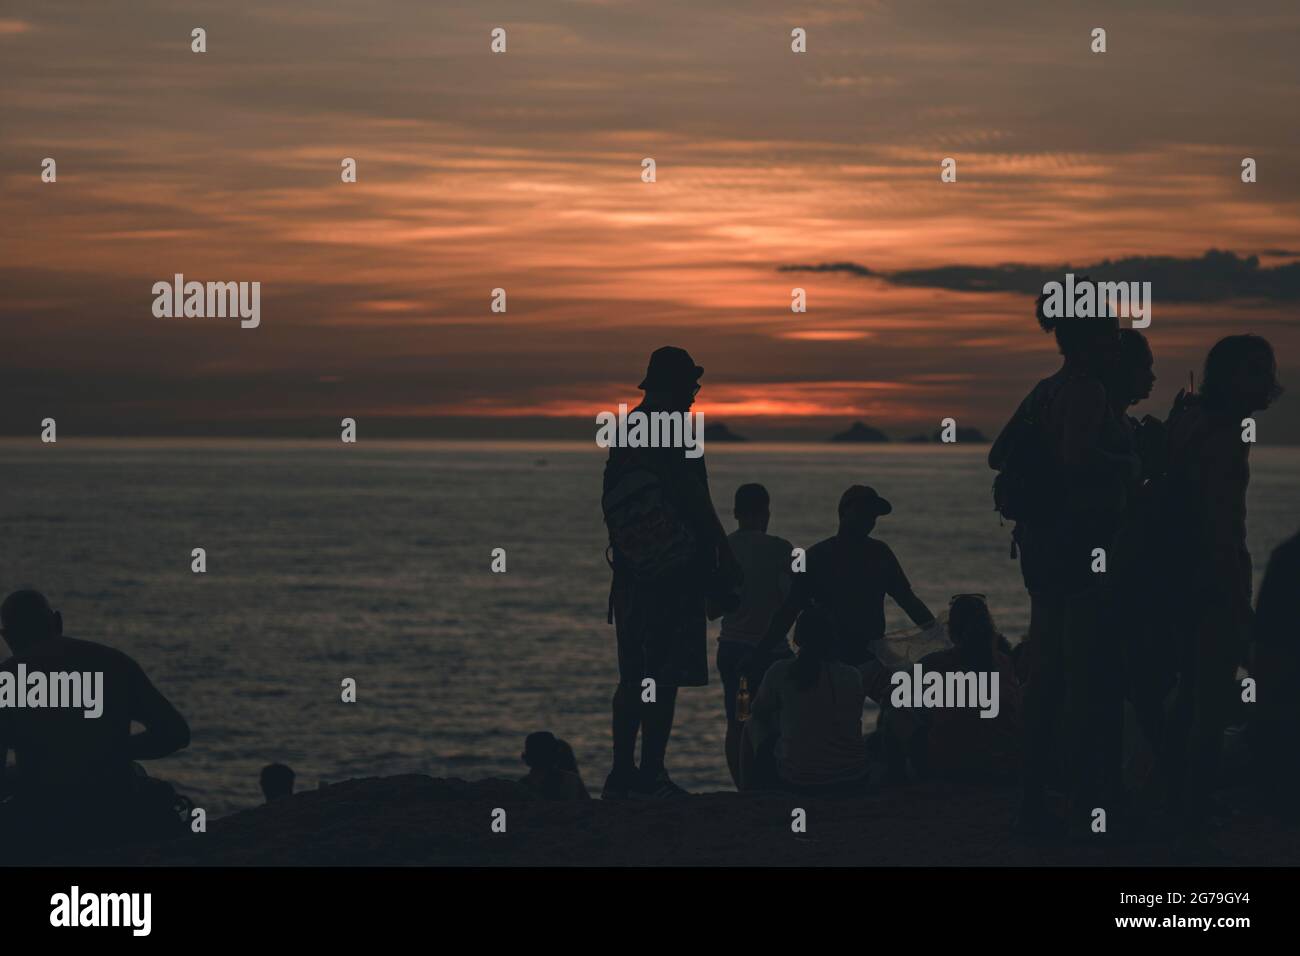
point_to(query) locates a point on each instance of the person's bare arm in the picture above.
(914, 607)
(704, 517)
(900, 589)
(165, 730)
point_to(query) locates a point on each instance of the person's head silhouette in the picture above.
(971, 628)
(277, 781)
(541, 750)
(1133, 375)
(26, 618)
(1090, 344)
(860, 506)
(671, 380)
(753, 507)
(814, 636)
(1240, 375)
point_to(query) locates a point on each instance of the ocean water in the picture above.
(371, 561)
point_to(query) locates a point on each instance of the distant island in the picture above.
(720, 432)
(859, 432)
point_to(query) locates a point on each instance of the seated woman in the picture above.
(805, 732)
(957, 742)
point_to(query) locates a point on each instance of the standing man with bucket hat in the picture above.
(668, 551)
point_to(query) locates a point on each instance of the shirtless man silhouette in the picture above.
(74, 775)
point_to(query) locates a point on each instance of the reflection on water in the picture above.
(328, 561)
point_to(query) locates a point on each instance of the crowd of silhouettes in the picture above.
(1131, 537)
(1131, 540)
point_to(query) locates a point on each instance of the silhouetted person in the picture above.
(1129, 383)
(660, 619)
(848, 576)
(806, 731)
(1274, 727)
(1068, 463)
(1138, 611)
(957, 742)
(1209, 472)
(277, 781)
(765, 560)
(75, 774)
(552, 768)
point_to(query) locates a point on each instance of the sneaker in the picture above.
(619, 784)
(658, 787)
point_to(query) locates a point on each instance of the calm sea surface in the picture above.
(372, 562)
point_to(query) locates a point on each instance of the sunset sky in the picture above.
(523, 171)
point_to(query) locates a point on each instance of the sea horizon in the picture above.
(373, 561)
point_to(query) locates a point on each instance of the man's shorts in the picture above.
(730, 657)
(662, 634)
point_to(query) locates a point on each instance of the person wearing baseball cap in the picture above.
(863, 500)
(849, 575)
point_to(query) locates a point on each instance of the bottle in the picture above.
(742, 700)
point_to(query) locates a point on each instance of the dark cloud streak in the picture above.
(1214, 277)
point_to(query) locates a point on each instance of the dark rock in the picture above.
(859, 432)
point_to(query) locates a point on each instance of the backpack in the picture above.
(1028, 481)
(647, 533)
